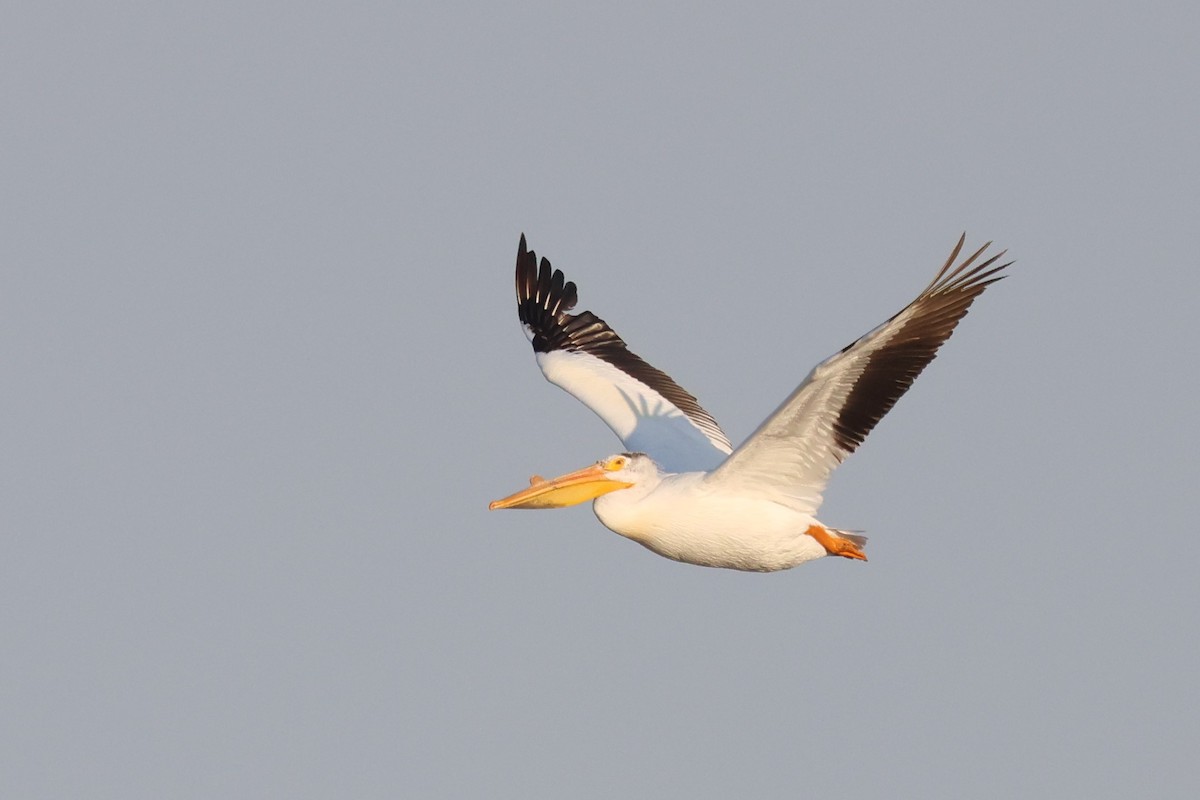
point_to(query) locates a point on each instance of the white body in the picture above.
(685, 519)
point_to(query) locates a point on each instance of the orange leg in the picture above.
(836, 545)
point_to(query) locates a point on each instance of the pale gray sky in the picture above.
(263, 375)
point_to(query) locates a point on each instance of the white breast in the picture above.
(684, 519)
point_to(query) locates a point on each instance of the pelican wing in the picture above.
(790, 456)
(580, 353)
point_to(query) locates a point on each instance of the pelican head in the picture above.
(620, 471)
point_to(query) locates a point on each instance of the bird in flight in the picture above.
(681, 489)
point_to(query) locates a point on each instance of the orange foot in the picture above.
(836, 545)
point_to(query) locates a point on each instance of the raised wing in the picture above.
(648, 411)
(790, 456)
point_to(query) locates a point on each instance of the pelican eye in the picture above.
(615, 464)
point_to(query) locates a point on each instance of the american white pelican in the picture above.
(682, 490)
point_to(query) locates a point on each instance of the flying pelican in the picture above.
(681, 489)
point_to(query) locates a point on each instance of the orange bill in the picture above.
(565, 490)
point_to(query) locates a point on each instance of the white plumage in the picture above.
(682, 490)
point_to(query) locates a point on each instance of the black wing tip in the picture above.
(525, 257)
(966, 275)
(523, 252)
(891, 370)
(544, 296)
